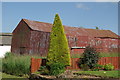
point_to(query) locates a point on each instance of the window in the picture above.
(22, 50)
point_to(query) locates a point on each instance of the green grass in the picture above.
(75, 55)
(12, 77)
(101, 55)
(109, 55)
(4, 75)
(114, 74)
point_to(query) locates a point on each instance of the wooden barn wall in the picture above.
(39, 42)
(21, 39)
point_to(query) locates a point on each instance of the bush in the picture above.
(108, 67)
(44, 70)
(90, 57)
(8, 54)
(17, 65)
(98, 67)
(84, 67)
(56, 68)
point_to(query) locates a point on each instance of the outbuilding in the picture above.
(32, 37)
(5, 43)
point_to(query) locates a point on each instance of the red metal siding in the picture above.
(105, 45)
(21, 39)
(39, 42)
(33, 37)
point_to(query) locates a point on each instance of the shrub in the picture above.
(58, 49)
(84, 67)
(108, 67)
(17, 65)
(90, 57)
(57, 68)
(44, 70)
(8, 54)
(98, 67)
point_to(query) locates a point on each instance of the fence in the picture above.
(114, 60)
(36, 63)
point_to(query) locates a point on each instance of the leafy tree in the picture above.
(90, 57)
(96, 27)
(58, 49)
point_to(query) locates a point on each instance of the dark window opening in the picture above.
(22, 50)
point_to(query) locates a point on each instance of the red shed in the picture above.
(32, 37)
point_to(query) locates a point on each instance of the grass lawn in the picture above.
(114, 74)
(101, 55)
(4, 75)
(109, 55)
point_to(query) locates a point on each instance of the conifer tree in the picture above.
(58, 49)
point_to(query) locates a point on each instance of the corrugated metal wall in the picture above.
(39, 42)
(21, 39)
(26, 40)
(105, 44)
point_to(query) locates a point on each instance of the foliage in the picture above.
(18, 65)
(98, 67)
(110, 54)
(102, 54)
(44, 70)
(108, 67)
(58, 49)
(75, 55)
(57, 68)
(90, 57)
(6, 76)
(96, 27)
(8, 54)
(84, 67)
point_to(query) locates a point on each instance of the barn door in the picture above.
(22, 50)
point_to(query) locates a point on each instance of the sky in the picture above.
(59, 0)
(76, 14)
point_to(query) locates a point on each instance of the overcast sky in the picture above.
(76, 14)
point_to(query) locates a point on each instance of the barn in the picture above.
(32, 37)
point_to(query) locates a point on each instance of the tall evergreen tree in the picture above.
(58, 49)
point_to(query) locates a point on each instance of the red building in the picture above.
(32, 37)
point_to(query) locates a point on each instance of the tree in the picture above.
(90, 57)
(58, 49)
(96, 27)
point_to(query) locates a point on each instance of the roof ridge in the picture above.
(34, 21)
(46, 27)
(63, 25)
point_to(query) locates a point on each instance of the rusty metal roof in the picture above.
(71, 31)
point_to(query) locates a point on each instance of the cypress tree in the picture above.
(58, 49)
